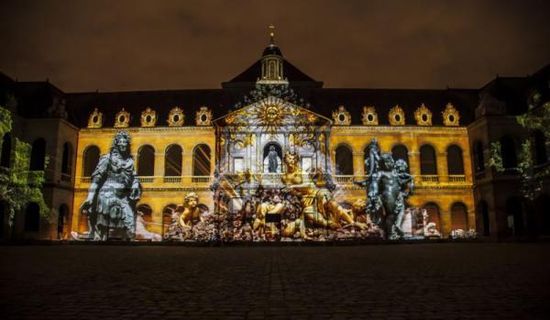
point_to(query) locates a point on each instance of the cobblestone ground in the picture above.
(418, 281)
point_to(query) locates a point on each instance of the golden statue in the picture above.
(191, 212)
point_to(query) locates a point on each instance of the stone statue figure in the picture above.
(273, 162)
(388, 185)
(113, 192)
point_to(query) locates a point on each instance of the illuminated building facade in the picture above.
(181, 140)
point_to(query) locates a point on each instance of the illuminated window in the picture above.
(428, 160)
(344, 161)
(172, 161)
(91, 158)
(455, 162)
(146, 161)
(400, 152)
(201, 160)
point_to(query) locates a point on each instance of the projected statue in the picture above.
(113, 193)
(388, 185)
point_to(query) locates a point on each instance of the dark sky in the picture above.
(136, 45)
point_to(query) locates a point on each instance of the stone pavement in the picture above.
(402, 281)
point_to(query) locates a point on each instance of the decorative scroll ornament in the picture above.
(175, 117)
(451, 117)
(423, 116)
(341, 117)
(122, 119)
(369, 116)
(204, 117)
(96, 119)
(148, 118)
(397, 116)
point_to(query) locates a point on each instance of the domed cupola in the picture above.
(272, 62)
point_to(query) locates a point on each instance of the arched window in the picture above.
(428, 160)
(459, 216)
(434, 215)
(172, 161)
(91, 158)
(344, 160)
(62, 220)
(5, 159)
(479, 159)
(67, 159)
(32, 217)
(455, 162)
(483, 208)
(400, 152)
(146, 161)
(38, 154)
(541, 157)
(508, 150)
(201, 160)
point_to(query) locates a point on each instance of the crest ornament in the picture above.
(451, 116)
(96, 119)
(122, 119)
(341, 117)
(148, 118)
(423, 116)
(175, 117)
(369, 116)
(397, 116)
(204, 117)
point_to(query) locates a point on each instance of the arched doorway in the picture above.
(434, 215)
(483, 209)
(62, 221)
(459, 216)
(32, 217)
(169, 216)
(514, 214)
(272, 158)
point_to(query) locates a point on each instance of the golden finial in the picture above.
(272, 34)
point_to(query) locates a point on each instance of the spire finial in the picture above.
(271, 34)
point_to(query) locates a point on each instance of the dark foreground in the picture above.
(420, 281)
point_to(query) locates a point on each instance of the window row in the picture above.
(37, 156)
(145, 162)
(428, 159)
(508, 151)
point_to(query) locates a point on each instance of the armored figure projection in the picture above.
(388, 186)
(112, 195)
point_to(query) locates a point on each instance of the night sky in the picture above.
(141, 45)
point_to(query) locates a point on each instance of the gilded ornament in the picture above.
(204, 117)
(96, 119)
(423, 116)
(148, 118)
(397, 116)
(341, 117)
(451, 116)
(122, 119)
(369, 116)
(176, 118)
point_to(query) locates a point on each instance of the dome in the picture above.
(272, 49)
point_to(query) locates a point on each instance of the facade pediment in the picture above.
(272, 114)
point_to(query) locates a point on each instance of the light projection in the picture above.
(273, 181)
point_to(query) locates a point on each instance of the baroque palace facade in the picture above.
(182, 140)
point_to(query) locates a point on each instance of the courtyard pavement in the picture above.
(401, 281)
